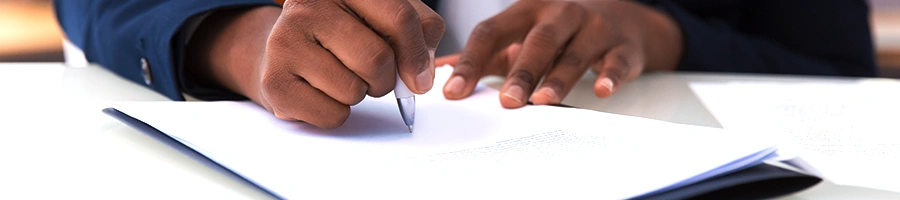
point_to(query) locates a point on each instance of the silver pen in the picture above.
(406, 101)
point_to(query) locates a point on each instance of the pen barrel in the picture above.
(407, 109)
(400, 89)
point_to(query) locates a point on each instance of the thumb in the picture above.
(433, 26)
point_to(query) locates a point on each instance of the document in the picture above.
(459, 149)
(846, 130)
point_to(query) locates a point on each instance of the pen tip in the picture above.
(410, 128)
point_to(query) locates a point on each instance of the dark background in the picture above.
(29, 33)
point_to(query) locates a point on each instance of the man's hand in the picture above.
(557, 41)
(312, 60)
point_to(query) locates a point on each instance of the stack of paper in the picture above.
(843, 129)
(470, 148)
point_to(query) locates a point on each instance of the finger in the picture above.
(319, 67)
(487, 39)
(433, 26)
(283, 116)
(447, 60)
(621, 64)
(399, 22)
(358, 48)
(585, 48)
(291, 97)
(325, 72)
(542, 44)
(432, 29)
(502, 61)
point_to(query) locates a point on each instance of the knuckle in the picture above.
(418, 59)
(599, 29)
(571, 59)
(380, 58)
(272, 81)
(337, 118)
(434, 29)
(379, 91)
(524, 76)
(379, 85)
(357, 91)
(285, 37)
(569, 10)
(380, 54)
(622, 61)
(597, 21)
(380, 75)
(544, 36)
(465, 66)
(484, 31)
(568, 7)
(383, 59)
(616, 74)
(278, 40)
(434, 22)
(301, 7)
(405, 17)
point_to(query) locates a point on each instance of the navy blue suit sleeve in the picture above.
(117, 34)
(805, 37)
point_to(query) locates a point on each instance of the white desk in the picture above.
(56, 143)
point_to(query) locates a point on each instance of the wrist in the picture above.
(228, 46)
(663, 40)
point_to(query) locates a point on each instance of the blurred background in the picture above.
(29, 33)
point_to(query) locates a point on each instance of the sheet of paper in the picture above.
(463, 149)
(846, 130)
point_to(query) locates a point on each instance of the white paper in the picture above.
(845, 130)
(462, 149)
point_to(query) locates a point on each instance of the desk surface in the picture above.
(56, 143)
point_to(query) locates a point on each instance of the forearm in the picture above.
(122, 36)
(665, 42)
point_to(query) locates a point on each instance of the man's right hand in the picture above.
(312, 60)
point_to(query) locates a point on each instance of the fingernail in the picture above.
(431, 58)
(281, 116)
(606, 82)
(455, 85)
(515, 92)
(550, 93)
(425, 80)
